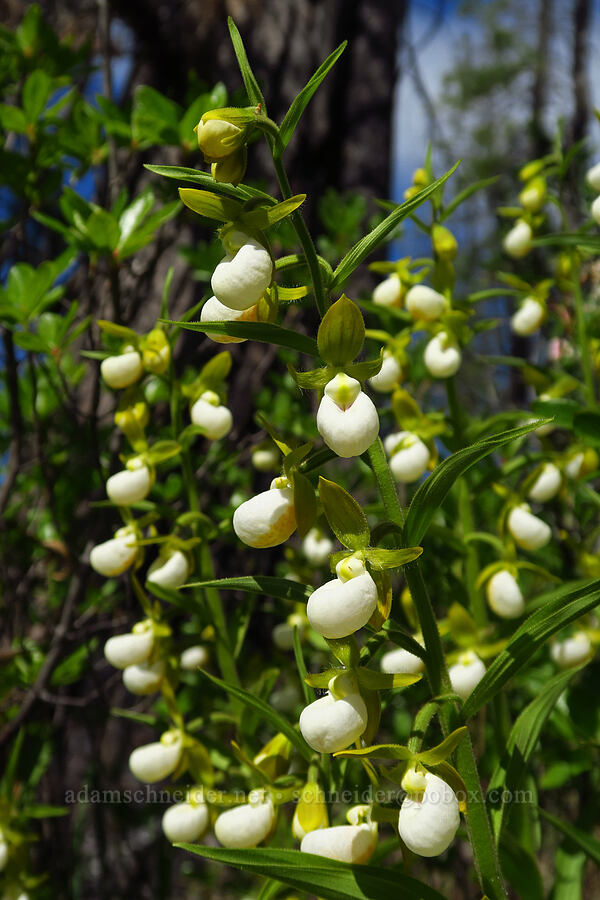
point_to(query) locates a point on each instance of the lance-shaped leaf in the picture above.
(162, 450)
(264, 216)
(279, 588)
(372, 680)
(346, 518)
(302, 99)
(587, 843)
(119, 331)
(211, 206)
(341, 332)
(392, 559)
(254, 92)
(266, 332)
(440, 753)
(379, 751)
(240, 192)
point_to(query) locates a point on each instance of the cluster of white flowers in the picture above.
(593, 179)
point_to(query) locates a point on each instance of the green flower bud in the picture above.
(444, 242)
(218, 138)
(231, 169)
(156, 351)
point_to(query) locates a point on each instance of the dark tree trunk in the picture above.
(581, 106)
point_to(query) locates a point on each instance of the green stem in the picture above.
(471, 570)
(582, 335)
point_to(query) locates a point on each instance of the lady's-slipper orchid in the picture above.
(186, 822)
(342, 606)
(330, 724)
(317, 547)
(424, 303)
(153, 762)
(116, 555)
(218, 139)
(209, 413)
(504, 595)
(170, 570)
(248, 825)
(283, 633)
(517, 243)
(389, 292)
(466, 674)
(529, 532)
(144, 678)
(546, 485)
(347, 419)
(388, 376)
(310, 813)
(266, 459)
(156, 351)
(123, 370)
(592, 176)
(409, 456)
(401, 662)
(574, 465)
(596, 210)
(131, 485)
(442, 356)
(528, 318)
(353, 843)
(242, 277)
(196, 657)
(130, 649)
(429, 816)
(571, 652)
(269, 518)
(215, 311)
(533, 195)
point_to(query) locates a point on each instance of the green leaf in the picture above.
(254, 92)
(431, 494)
(163, 450)
(305, 503)
(301, 101)
(263, 217)
(372, 680)
(341, 332)
(586, 426)
(392, 559)
(378, 751)
(589, 844)
(366, 245)
(564, 605)
(366, 369)
(328, 878)
(465, 194)
(103, 230)
(590, 242)
(118, 331)
(265, 332)
(439, 754)
(36, 92)
(345, 516)
(279, 588)
(520, 868)
(267, 712)
(181, 173)
(561, 410)
(210, 205)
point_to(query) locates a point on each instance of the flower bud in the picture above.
(193, 658)
(242, 277)
(342, 606)
(130, 649)
(268, 519)
(212, 416)
(144, 678)
(533, 195)
(266, 458)
(574, 464)
(442, 356)
(283, 633)
(317, 547)
(428, 825)
(389, 292)
(529, 532)
(388, 376)
(401, 662)
(517, 242)
(409, 456)
(116, 555)
(311, 811)
(153, 762)
(248, 825)
(328, 725)
(423, 302)
(347, 419)
(131, 485)
(528, 318)
(218, 139)
(347, 843)
(215, 311)
(231, 169)
(185, 823)
(466, 674)
(504, 595)
(444, 242)
(123, 370)
(595, 210)
(156, 352)
(593, 177)
(3, 852)
(546, 485)
(170, 570)
(571, 652)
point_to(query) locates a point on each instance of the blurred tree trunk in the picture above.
(540, 143)
(582, 10)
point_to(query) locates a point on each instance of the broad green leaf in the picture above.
(301, 101)
(103, 230)
(36, 92)
(341, 333)
(586, 426)
(181, 173)
(268, 713)
(279, 588)
(345, 516)
(254, 92)
(265, 332)
(590, 845)
(565, 606)
(430, 496)
(210, 205)
(328, 878)
(366, 245)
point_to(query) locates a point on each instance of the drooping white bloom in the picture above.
(428, 822)
(170, 570)
(266, 459)
(388, 376)
(529, 532)
(571, 652)
(348, 843)
(528, 318)
(317, 547)
(267, 519)
(342, 606)
(546, 485)
(123, 370)
(131, 485)
(242, 277)
(144, 678)
(153, 762)
(116, 555)
(504, 595)
(573, 466)
(209, 413)
(423, 302)
(517, 242)
(592, 177)
(215, 311)
(388, 292)
(347, 419)
(247, 825)
(401, 662)
(186, 822)
(193, 658)
(442, 356)
(596, 210)
(130, 649)
(328, 725)
(409, 456)
(466, 674)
